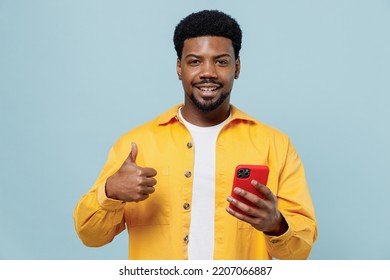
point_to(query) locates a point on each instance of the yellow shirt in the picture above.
(158, 227)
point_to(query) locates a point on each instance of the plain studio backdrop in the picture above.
(76, 75)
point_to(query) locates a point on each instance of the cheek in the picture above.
(185, 80)
(188, 78)
(229, 79)
(187, 84)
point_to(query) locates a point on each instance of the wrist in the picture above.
(108, 190)
(279, 227)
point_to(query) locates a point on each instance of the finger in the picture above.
(147, 181)
(140, 197)
(264, 190)
(133, 153)
(147, 172)
(256, 200)
(245, 216)
(245, 208)
(146, 190)
(132, 157)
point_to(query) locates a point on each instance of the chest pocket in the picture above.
(156, 209)
(272, 184)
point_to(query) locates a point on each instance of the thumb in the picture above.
(133, 153)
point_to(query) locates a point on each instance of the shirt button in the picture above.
(275, 241)
(186, 239)
(187, 174)
(186, 206)
(189, 145)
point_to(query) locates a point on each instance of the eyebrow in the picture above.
(200, 56)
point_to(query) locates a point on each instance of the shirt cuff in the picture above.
(108, 203)
(280, 240)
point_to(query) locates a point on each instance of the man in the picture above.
(169, 181)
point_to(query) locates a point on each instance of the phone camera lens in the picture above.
(243, 173)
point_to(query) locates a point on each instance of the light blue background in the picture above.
(75, 75)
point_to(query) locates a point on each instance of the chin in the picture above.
(207, 106)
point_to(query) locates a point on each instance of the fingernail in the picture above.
(237, 190)
(231, 199)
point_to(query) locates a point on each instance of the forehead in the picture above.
(208, 45)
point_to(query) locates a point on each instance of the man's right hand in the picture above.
(131, 183)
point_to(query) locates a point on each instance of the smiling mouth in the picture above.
(208, 92)
(208, 89)
(208, 85)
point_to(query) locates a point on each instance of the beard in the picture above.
(209, 105)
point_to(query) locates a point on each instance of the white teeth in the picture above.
(208, 88)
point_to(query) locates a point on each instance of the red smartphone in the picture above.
(243, 176)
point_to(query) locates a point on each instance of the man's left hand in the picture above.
(264, 216)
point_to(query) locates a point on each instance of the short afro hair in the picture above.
(207, 23)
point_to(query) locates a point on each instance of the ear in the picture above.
(178, 68)
(238, 68)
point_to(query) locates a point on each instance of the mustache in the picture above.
(208, 81)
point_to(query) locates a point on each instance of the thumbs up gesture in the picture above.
(131, 183)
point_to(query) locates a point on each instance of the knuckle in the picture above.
(257, 200)
(250, 210)
(139, 181)
(141, 197)
(139, 190)
(243, 193)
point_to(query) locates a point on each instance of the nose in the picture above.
(208, 70)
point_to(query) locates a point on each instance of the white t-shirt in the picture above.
(201, 236)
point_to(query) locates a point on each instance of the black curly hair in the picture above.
(207, 23)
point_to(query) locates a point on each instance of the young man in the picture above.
(169, 181)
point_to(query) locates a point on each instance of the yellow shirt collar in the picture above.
(172, 115)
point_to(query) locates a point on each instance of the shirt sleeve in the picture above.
(295, 204)
(98, 219)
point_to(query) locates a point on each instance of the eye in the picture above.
(194, 62)
(222, 62)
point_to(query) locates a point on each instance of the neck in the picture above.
(204, 119)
